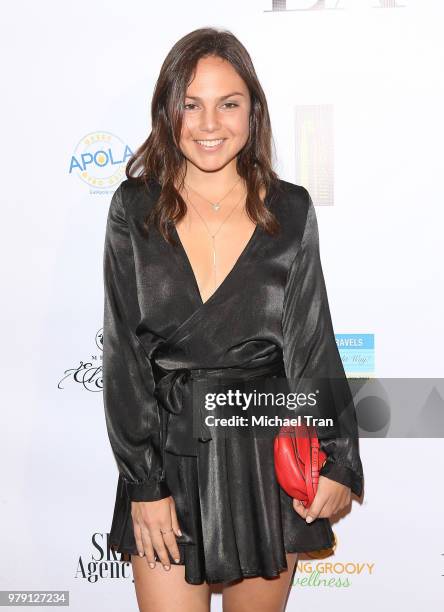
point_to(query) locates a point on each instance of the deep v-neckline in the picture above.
(231, 272)
(227, 277)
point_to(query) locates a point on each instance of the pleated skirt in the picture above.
(236, 520)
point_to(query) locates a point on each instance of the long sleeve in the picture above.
(312, 360)
(131, 411)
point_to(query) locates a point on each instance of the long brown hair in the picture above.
(160, 159)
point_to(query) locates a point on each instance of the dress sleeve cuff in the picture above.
(151, 490)
(344, 475)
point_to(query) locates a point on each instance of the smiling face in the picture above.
(216, 115)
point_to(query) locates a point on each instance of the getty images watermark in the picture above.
(384, 407)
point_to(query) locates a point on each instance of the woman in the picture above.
(212, 267)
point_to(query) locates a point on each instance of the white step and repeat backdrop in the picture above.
(356, 94)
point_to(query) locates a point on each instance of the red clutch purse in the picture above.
(297, 460)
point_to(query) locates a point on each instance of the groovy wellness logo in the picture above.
(99, 160)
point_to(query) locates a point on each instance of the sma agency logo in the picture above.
(99, 160)
(101, 562)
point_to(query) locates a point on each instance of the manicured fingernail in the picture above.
(309, 519)
(167, 567)
(177, 560)
(152, 565)
(140, 554)
(179, 532)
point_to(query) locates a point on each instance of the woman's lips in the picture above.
(212, 148)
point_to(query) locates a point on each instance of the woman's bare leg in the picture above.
(260, 594)
(158, 590)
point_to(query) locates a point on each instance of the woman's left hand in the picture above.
(331, 497)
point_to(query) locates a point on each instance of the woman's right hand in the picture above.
(149, 518)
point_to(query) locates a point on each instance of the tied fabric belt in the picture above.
(174, 394)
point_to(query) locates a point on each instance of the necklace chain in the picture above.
(213, 236)
(215, 205)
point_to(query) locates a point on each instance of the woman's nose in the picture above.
(209, 121)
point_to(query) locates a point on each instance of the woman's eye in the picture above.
(228, 104)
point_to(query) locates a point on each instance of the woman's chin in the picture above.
(207, 165)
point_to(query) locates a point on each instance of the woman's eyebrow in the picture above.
(234, 93)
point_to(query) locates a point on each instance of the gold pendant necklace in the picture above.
(215, 205)
(213, 236)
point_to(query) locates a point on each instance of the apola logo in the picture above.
(99, 160)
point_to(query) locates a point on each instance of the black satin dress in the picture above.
(158, 334)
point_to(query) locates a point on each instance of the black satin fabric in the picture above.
(235, 518)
